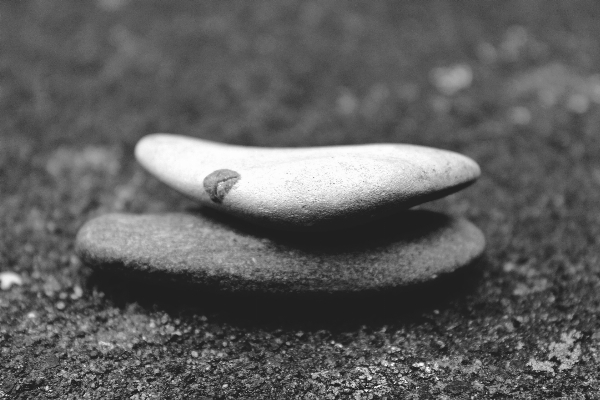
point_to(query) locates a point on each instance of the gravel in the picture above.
(81, 82)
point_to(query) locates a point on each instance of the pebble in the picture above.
(311, 188)
(225, 253)
(453, 79)
(8, 279)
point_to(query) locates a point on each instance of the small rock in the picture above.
(578, 103)
(453, 79)
(318, 188)
(222, 252)
(8, 279)
(77, 293)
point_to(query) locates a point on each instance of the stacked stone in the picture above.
(293, 220)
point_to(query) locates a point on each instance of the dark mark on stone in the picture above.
(218, 183)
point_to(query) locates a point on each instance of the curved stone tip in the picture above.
(475, 169)
(84, 240)
(146, 146)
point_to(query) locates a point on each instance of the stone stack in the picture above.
(293, 220)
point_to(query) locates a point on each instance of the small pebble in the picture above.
(77, 293)
(578, 103)
(8, 279)
(450, 80)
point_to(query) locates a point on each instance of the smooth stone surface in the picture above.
(312, 188)
(221, 252)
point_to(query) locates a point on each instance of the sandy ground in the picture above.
(514, 85)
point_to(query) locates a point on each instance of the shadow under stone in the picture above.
(358, 239)
(306, 311)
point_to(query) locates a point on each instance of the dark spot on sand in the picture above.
(218, 183)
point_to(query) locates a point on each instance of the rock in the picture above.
(8, 279)
(222, 252)
(313, 188)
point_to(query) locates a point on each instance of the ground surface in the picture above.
(512, 84)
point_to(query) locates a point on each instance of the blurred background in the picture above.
(513, 84)
(297, 73)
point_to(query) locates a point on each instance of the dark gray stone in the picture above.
(220, 252)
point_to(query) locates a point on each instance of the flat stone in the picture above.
(221, 252)
(313, 188)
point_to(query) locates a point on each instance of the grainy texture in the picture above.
(306, 188)
(82, 81)
(222, 253)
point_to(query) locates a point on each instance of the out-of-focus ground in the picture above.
(514, 85)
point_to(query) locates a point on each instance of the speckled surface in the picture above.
(222, 254)
(307, 188)
(513, 86)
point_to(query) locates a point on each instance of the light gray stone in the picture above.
(221, 252)
(313, 188)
